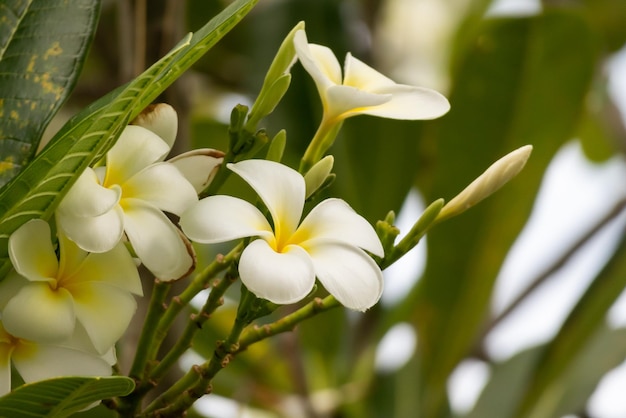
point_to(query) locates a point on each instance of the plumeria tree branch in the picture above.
(287, 323)
(195, 322)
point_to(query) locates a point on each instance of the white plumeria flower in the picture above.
(132, 190)
(48, 298)
(282, 265)
(39, 361)
(363, 90)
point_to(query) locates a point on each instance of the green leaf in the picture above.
(517, 85)
(43, 44)
(36, 192)
(58, 398)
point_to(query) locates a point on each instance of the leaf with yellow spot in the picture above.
(36, 191)
(43, 44)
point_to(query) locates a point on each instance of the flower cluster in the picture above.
(71, 295)
(72, 292)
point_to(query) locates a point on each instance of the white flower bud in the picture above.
(496, 176)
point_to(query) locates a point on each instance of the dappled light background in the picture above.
(501, 312)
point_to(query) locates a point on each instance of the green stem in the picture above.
(199, 283)
(155, 310)
(127, 405)
(197, 381)
(322, 140)
(417, 232)
(215, 299)
(287, 323)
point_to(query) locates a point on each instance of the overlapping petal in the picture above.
(163, 186)
(31, 251)
(346, 101)
(94, 233)
(87, 197)
(157, 242)
(361, 76)
(39, 313)
(115, 268)
(408, 103)
(282, 266)
(319, 61)
(104, 311)
(49, 361)
(198, 166)
(161, 119)
(335, 221)
(348, 274)
(363, 90)
(135, 149)
(224, 218)
(281, 188)
(281, 278)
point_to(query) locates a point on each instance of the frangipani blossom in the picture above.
(282, 265)
(48, 298)
(361, 91)
(38, 361)
(130, 192)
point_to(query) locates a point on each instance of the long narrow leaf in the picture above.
(36, 192)
(61, 397)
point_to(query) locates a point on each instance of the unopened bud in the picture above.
(316, 176)
(496, 176)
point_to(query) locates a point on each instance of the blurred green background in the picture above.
(537, 78)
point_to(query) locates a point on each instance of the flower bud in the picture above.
(276, 81)
(496, 176)
(317, 175)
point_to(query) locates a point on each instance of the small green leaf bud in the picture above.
(317, 175)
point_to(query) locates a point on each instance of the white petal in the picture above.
(198, 166)
(223, 218)
(94, 234)
(281, 278)
(135, 149)
(319, 61)
(334, 220)
(346, 101)
(116, 268)
(47, 361)
(71, 255)
(155, 239)
(88, 197)
(281, 188)
(31, 251)
(362, 76)
(349, 274)
(163, 186)
(161, 119)
(38, 313)
(408, 103)
(104, 311)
